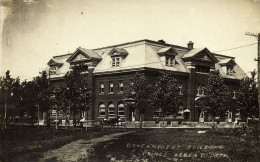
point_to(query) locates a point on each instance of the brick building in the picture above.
(109, 71)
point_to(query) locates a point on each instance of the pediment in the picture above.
(118, 52)
(204, 56)
(82, 55)
(52, 62)
(227, 62)
(201, 55)
(167, 51)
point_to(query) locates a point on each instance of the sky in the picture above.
(32, 31)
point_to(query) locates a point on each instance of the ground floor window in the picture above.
(111, 110)
(60, 113)
(157, 113)
(102, 110)
(121, 110)
(54, 112)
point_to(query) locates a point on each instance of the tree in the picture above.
(74, 94)
(140, 92)
(44, 97)
(29, 100)
(166, 96)
(9, 95)
(247, 97)
(216, 95)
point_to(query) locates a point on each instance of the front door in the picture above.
(201, 118)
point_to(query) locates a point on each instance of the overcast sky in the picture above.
(33, 32)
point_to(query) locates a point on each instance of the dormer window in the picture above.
(230, 70)
(117, 56)
(170, 61)
(53, 70)
(116, 61)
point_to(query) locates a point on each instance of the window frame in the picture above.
(111, 87)
(111, 106)
(102, 88)
(103, 108)
(121, 111)
(120, 86)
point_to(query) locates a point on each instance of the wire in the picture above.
(236, 47)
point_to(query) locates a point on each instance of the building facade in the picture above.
(109, 71)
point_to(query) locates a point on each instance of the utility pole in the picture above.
(257, 36)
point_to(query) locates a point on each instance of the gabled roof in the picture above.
(196, 51)
(227, 61)
(167, 49)
(88, 53)
(54, 61)
(120, 51)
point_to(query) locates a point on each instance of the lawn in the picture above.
(24, 143)
(178, 145)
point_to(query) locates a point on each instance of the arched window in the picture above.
(121, 109)
(102, 110)
(111, 110)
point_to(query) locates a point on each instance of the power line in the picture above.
(236, 47)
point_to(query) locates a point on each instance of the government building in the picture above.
(110, 70)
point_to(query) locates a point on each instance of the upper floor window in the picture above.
(102, 86)
(180, 88)
(116, 61)
(170, 61)
(230, 70)
(53, 70)
(200, 90)
(121, 86)
(111, 87)
(202, 69)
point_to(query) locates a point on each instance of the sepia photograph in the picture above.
(129, 80)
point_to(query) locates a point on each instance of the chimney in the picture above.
(161, 41)
(190, 45)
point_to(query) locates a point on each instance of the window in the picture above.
(180, 88)
(111, 87)
(167, 61)
(202, 69)
(111, 110)
(53, 70)
(230, 70)
(102, 110)
(131, 83)
(157, 113)
(234, 94)
(200, 90)
(121, 110)
(116, 61)
(60, 113)
(113, 61)
(102, 86)
(170, 61)
(54, 113)
(121, 86)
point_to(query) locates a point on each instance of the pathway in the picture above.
(77, 150)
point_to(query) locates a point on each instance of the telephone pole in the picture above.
(257, 36)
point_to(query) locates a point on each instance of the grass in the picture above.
(177, 144)
(24, 143)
